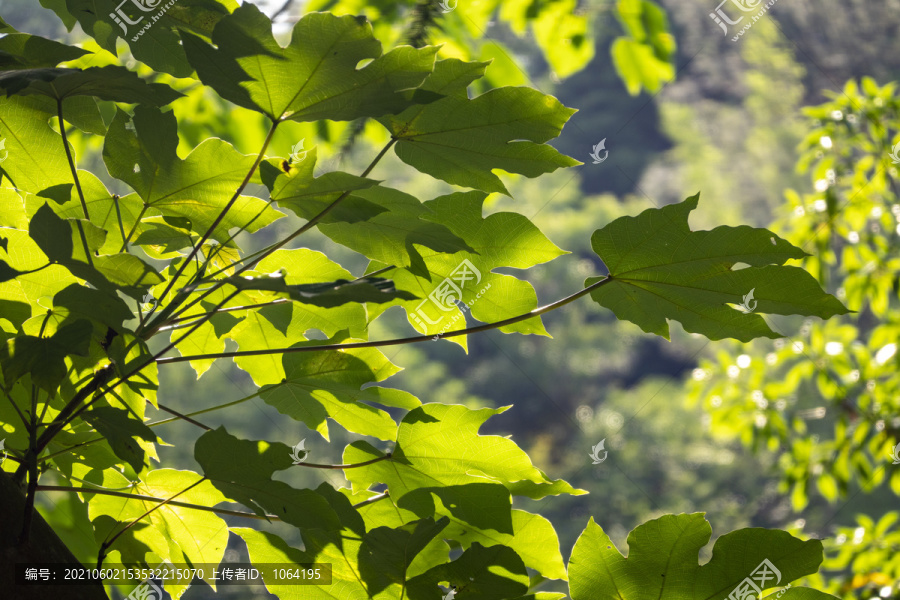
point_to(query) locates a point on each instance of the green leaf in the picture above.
(107, 83)
(44, 358)
(438, 445)
(242, 470)
(24, 51)
(299, 191)
(283, 325)
(340, 553)
(322, 385)
(37, 159)
(478, 512)
(158, 46)
(52, 234)
(662, 560)
(197, 188)
(81, 301)
(387, 553)
(177, 533)
(390, 237)
(660, 269)
(316, 76)
(461, 141)
(123, 432)
(502, 239)
(643, 60)
(59, 7)
(480, 574)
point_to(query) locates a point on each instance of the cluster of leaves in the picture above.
(830, 396)
(97, 289)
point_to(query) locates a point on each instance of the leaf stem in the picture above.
(372, 500)
(396, 342)
(62, 131)
(351, 466)
(127, 240)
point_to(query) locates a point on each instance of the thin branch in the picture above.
(134, 372)
(273, 247)
(222, 213)
(155, 424)
(101, 553)
(221, 511)
(397, 342)
(221, 310)
(351, 466)
(84, 208)
(260, 255)
(183, 417)
(119, 215)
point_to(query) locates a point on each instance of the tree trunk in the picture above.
(43, 546)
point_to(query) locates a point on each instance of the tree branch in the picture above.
(221, 215)
(397, 342)
(221, 511)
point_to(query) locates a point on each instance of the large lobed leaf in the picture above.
(316, 76)
(462, 141)
(659, 269)
(662, 562)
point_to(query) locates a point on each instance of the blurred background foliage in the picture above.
(791, 128)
